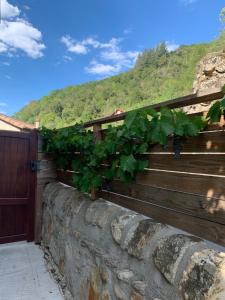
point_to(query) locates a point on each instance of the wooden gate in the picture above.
(17, 185)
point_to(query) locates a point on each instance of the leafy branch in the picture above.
(216, 111)
(120, 154)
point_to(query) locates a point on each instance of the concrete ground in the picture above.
(23, 275)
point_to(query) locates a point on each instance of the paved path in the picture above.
(23, 275)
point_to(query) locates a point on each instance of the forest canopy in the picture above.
(158, 75)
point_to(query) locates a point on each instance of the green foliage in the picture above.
(122, 148)
(216, 111)
(157, 76)
(222, 15)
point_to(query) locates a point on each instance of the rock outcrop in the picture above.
(210, 72)
(210, 75)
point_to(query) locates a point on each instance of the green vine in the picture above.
(119, 154)
(216, 111)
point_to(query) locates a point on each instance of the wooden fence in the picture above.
(186, 192)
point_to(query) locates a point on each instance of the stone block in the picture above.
(118, 225)
(142, 236)
(204, 278)
(169, 253)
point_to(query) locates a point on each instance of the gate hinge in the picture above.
(35, 165)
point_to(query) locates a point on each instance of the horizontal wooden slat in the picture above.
(202, 206)
(13, 201)
(207, 141)
(65, 177)
(205, 185)
(211, 140)
(198, 206)
(194, 163)
(202, 228)
(209, 186)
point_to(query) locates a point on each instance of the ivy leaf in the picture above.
(151, 112)
(123, 175)
(222, 103)
(214, 112)
(130, 118)
(96, 181)
(76, 164)
(128, 163)
(141, 165)
(166, 125)
(142, 148)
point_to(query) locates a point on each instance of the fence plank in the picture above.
(207, 141)
(194, 163)
(202, 228)
(205, 185)
(195, 205)
(65, 177)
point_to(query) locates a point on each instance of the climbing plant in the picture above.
(216, 111)
(119, 154)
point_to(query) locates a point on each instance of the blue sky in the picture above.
(50, 44)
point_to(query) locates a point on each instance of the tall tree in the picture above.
(222, 15)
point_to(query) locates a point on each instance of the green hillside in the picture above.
(158, 75)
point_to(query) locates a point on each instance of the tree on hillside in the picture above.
(155, 57)
(222, 15)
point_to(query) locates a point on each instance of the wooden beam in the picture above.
(208, 95)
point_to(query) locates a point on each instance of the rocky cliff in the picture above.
(210, 72)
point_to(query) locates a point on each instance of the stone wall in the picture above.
(97, 250)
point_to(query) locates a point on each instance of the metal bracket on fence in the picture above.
(35, 165)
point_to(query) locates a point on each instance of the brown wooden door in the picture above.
(17, 186)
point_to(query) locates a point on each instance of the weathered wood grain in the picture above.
(200, 227)
(199, 206)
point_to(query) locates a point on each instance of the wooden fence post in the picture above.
(97, 131)
(46, 174)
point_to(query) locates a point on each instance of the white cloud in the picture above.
(67, 58)
(84, 46)
(124, 59)
(3, 47)
(118, 59)
(17, 34)
(73, 46)
(5, 63)
(170, 46)
(102, 69)
(8, 10)
(26, 7)
(3, 104)
(91, 42)
(127, 31)
(188, 2)
(111, 59)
